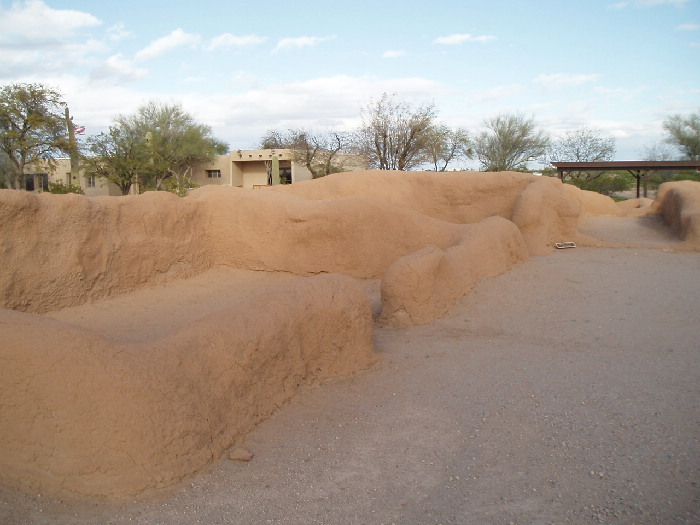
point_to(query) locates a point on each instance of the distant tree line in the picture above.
(157, 146)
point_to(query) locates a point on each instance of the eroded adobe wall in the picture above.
(424, 285)
(273, 231)
(461, 197)
(63, 250)
(83, 415)
(679, 205)
(91, 416)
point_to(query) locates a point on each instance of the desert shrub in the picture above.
(60, 188)
(655, 180)
(606, 184)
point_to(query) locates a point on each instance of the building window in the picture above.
(214, 174)
(91, 181)
(42, 180)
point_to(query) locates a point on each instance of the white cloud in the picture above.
(33, 22)
(117, 70)
(391, 53)
(319, 103)
(688, 27)
(299, 42)
(455, 39)
(494, 94)
(228, 41)
(560, 80)
(177, 38)
(118, 32)
(246, 78)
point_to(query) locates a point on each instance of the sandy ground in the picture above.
(564, 391)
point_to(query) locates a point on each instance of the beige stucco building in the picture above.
(239, 168)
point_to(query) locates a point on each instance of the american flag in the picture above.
(79, 130)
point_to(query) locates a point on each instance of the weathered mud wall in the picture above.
(546, 212)
(461, 197)
(592, 203)
(424, 285)
(264, 230)
(679, 205)
(62, 250)
(84, 415)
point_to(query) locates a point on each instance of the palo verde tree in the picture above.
(684, 133)
(118, 156)
(175, 141)
(32, 128)
(394, 134)
(445, 145)
(317, 151)
(157, 146)
(509, 143)
(583, 145)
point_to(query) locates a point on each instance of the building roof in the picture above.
(663, 165)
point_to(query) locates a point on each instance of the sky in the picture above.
(243, 68)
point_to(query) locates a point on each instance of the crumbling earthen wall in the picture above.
(461, 197)
(679, 205)
(83, 415)
(424, 285)
(63, 250)
(273, 231)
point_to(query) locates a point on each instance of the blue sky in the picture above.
(245, 67)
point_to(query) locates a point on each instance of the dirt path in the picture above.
(645, 231)
(565, 391)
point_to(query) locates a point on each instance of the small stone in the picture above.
(240, 454)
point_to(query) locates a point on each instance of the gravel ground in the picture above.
(565, 391)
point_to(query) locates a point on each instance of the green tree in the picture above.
(155, 147)
(509, 143)
(684, 133)
(175, 141)
(583, 145)
(118, 156)
(661, 152)
(32, 128)
(445, 145)
(607, 183)
(394, 134)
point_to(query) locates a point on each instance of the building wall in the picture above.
(239, 168)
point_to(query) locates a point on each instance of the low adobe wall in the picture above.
(461, 197)
(679, 205)
(423, 286)
(84, 415)
(65, 250)
(272, 231)
(92, 416)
